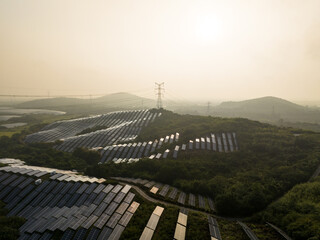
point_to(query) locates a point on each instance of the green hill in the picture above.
(297, 212)
(270, 161)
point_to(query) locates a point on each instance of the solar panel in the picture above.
(68, 235)
(89, 222)
(116, 233)
(119, 197)
(126, 189)
(80, 234)
(173, 193)
(125, 218)
(102, 220)
(146, 234)
(83, 187)
(201, 202)
(153, 221)
(192, 200)
(129, 197)
(182, 219)
(182, 198)
(108, 188)
(93, 234)
(116, 189)
(40, 174)
(122, 208)
(91, 187)
(89, 210)
(81, 199)
(113, 220)
(164, 190)
(12, 194)
(46, 236)
(56, 176)
(100, 209)
(105, 233)
(211, 205)
(180, 232)
(109, 197)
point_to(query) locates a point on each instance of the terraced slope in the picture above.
(119, 127)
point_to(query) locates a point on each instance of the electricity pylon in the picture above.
(159, 92)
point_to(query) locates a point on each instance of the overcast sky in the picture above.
(227, 49)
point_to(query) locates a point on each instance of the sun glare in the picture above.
(208, 29)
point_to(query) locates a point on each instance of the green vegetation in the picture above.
(230, 230)
(264, 232)
(297, 212)
(197, 226)
(9, 226)
(270, 161)
(139, 220)
(43, 154)
(167, 224)
(89, 130)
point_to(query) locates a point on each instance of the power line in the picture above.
(159, 88)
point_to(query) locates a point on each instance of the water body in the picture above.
(13, 125)
(7, 117)
(8, 110)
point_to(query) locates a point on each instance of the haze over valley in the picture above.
(160, 119)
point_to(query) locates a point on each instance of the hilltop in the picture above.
(273, 110)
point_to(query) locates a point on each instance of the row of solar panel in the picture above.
(128, 123)
(174, 194)
(68, 128)
(248, 231)
(181, 227)
(123, 131)
(214, 228)
(61, 205)
(223, 143)
(39, 172)
(134, 150)
(152, 224)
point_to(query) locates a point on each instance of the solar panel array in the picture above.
(281, 232)
(121, 126)
(248, 231)
(172, 193)
(134, 151)
(180, 232)
(152, 224)
(214, 228)
(60, 175)
(78, 209)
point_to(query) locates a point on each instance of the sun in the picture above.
(208, 29)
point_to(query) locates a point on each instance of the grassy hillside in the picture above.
(270, 161)
(297, 212)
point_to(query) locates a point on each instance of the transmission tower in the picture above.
(159, 92)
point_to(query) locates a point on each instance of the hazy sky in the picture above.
(229, 49)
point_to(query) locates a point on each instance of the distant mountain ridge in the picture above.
(268, 109)
(112, 101)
